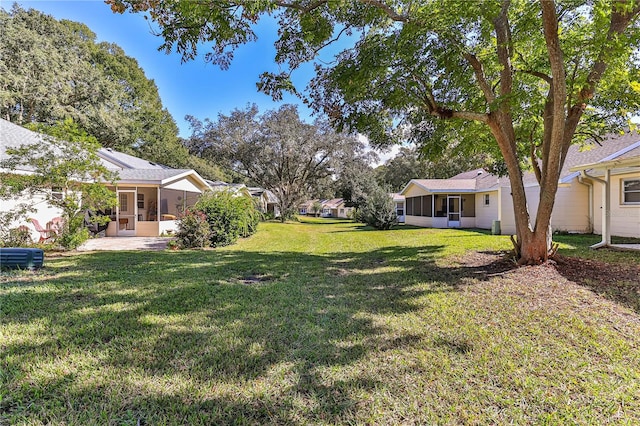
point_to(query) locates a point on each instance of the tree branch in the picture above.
(387, 10)
(538, 74)
(296, 6)
(480, 77)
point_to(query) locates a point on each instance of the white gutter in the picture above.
(606, 211)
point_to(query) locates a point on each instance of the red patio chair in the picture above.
(45, 234)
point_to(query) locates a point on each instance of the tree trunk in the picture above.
(534, 247)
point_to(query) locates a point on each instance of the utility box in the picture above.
(495, 227)
(21, 258)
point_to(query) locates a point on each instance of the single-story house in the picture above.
(266, 201)
(477, 199)
(306, 208)
(150, 196)
(336, 207)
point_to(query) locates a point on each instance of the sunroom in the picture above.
(151, 200)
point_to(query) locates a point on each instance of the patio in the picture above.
(125, 243)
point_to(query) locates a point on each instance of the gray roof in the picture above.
(594, 153)
(333, 203)
(472, 181)
(13, 136)
(116, 160)
(149, 175)
(130, 169)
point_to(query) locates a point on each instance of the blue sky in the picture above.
(195, 87)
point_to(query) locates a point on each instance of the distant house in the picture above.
(266, 200)
(399, 205)
(336, 207)
(599, 191)
(150, 196)
(307, 208)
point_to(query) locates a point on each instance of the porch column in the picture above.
(606, 212)
(158, 206)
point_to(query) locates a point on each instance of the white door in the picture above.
(453, 211)
(126, 213)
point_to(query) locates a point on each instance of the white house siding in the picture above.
(343, 212)
(625, 219)
(485, 215)
(571, 208)
(570, 211)
(43, 213)
(468, 222)
(423, 221)
(505, 211)
(439, 222)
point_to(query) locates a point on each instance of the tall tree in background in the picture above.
(526, 78)
(54, 70)
(276, 150)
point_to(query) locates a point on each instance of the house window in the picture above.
(141, 201)
(487, 199)
(409, 206)
(341, 211)
(631, 191)
(56, 193)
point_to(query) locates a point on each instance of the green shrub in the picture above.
(229, 216)
(193, 230)
(378, 210)
(71, 240)
(16, 237)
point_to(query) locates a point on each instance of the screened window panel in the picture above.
(417, 206)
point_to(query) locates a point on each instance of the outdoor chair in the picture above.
(45, 234)
(55, 225)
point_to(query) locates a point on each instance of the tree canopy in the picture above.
(523, 79)
(54, 70)
(276, 150)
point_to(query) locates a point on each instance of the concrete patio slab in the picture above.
(125, 243)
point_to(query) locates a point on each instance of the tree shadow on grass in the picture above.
(617, 282)
(209, 319)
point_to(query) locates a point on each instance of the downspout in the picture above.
(584, 181)
(606, 212)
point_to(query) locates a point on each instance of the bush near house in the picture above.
(193, 230)
(378, 210)
(218, 219)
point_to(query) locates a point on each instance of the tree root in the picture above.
(516, 246)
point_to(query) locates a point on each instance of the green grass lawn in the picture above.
(323, 322)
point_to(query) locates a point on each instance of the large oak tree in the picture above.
(276, 150)
(527, 78)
